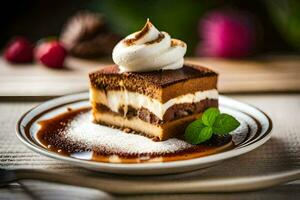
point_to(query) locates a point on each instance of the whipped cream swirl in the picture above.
(149, 50)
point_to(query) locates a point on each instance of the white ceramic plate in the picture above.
(258, 124)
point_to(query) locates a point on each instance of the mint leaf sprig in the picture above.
(211, 122)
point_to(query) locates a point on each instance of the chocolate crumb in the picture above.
(155, 139)
(127, 130)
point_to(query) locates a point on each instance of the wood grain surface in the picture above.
(267, 74)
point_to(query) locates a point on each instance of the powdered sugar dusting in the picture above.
(82, 130)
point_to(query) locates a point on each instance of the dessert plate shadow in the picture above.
(255, 130)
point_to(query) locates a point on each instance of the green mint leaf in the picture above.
(209, 116)
(196, 132)
(192, 131)
(224, 124)
(205, 134)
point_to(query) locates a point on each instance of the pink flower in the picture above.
(226, 34)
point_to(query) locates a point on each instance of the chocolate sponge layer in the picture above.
(174, 112)
(161, 85)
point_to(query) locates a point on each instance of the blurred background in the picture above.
(274, 24)
(253, 45)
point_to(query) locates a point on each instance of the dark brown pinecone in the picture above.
(86, 35)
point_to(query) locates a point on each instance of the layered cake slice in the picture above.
(158, 104)
(150, 90)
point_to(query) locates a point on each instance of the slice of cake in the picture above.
(150, 90)
(158, 104)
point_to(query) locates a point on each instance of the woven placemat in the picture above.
(281, 153)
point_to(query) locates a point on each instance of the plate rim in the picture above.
(141, 166)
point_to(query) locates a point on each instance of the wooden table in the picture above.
(268, 74)
(24, 87)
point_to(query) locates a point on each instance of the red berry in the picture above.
(51, 54)
(19, 50)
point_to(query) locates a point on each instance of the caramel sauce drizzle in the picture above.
(51, 136)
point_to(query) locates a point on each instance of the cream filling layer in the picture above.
(114, 99)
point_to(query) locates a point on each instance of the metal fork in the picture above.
(118, 186)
